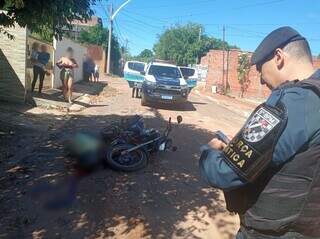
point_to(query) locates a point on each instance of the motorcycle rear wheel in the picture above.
(129, 162)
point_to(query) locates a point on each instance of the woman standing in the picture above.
(67, 64)
(39, 69)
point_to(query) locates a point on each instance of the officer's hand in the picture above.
(217, 144)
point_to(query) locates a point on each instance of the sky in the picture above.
(246, 21)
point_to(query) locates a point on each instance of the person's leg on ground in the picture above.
(35, 77)
(70, 82)
(65, 86)
(97, 77)
(133, 92)
(42, 75)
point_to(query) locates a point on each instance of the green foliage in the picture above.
(243, 72)
(44, 15)
(318, 56)
(97, 35)
(145, 56)
(45, 35)
(181, 44)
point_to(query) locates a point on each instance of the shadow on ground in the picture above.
(187, 106)
(156, 202)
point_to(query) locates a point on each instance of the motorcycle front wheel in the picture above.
(128, 162)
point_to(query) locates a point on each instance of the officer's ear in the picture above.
(279, 58)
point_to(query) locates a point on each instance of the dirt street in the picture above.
(167, 199)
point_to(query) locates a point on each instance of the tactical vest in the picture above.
(285, 200)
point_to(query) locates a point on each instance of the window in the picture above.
(136, 66)
(187, 72)
(164, 71)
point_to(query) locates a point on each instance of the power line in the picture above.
(210, 12)
(146, 16)
(118, 31)
(141, 22)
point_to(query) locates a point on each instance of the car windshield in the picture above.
(187, 72)
(164, 71)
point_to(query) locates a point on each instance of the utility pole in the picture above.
(223, 57)
(110, 39)
(112, 16)
(199, 39)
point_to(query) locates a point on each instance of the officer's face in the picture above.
(265, 75)
(270, 70)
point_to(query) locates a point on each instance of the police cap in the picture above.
(279, 38)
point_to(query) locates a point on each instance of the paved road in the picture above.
(168, 199)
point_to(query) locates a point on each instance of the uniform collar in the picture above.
(315, 75)
(287, 84)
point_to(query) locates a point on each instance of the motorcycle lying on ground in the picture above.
(130, 144)
(124, 146)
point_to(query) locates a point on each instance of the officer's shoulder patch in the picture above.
(250, 151)
(259, 125)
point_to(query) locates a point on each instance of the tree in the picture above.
(318, 56)
(145, 56)
(243, 72)
(97, 35)
(43, 15)
(181, 44)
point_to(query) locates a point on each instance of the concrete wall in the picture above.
(13, 66)
(79, 53)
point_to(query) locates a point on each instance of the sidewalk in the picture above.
(241, 106)
(82, 92)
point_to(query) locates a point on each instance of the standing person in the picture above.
(270, 171)
(67, 65)
(39, 69)
(96, 73)
(88, 69)
(34, 53)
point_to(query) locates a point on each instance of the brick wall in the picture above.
(13, 65)
(316, 63)
(98, 54)
(214, 61)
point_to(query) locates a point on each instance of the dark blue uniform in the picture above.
(283, 199)
(303, 124)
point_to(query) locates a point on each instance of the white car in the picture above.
(163, 83)
(191, 75)
(132, 74)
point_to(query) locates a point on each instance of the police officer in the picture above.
(270, 171)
